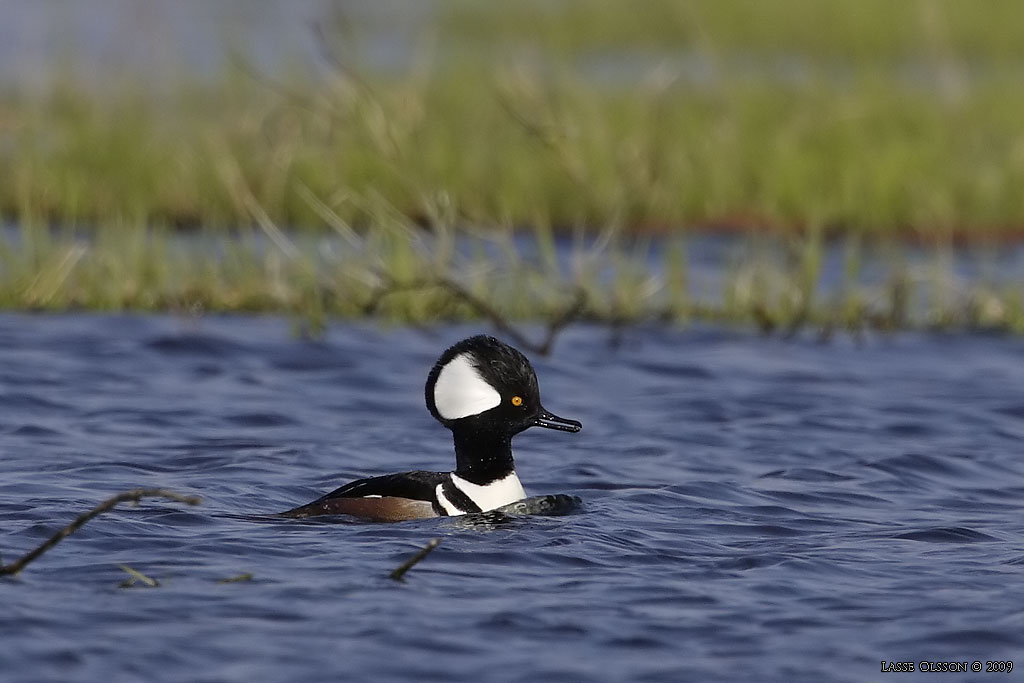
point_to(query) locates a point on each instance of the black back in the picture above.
(416, 485)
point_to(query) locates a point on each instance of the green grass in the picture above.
(871, 116)
(877, 121)
(526, 151)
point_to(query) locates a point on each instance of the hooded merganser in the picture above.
(486, 392)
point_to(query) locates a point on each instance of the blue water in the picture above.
(754, 509)
(100, 44)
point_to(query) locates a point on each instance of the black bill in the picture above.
(546, 419)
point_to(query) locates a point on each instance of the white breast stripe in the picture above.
(460, 391)
(490, 496)
(445, 503)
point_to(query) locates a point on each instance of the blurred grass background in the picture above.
(871, 122)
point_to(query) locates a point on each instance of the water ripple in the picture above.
(946, 535)
(788, 511)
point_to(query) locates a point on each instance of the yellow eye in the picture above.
(517, 401)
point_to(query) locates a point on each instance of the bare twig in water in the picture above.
(135, 575)
(483, 308)
(133, 496)
(412, 561)
(556, 324)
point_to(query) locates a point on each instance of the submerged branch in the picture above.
(134, 496)
(400, 571)
(136, 576)
(486, 310)
(239, 578)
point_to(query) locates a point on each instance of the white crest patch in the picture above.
(491, 496)
(460, 391)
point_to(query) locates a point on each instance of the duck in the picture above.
(485, 392)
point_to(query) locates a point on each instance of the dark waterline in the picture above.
(753, 508)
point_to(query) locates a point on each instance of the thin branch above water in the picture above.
(133, 496)
(400, 571)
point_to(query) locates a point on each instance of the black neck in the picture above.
(482, 456)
